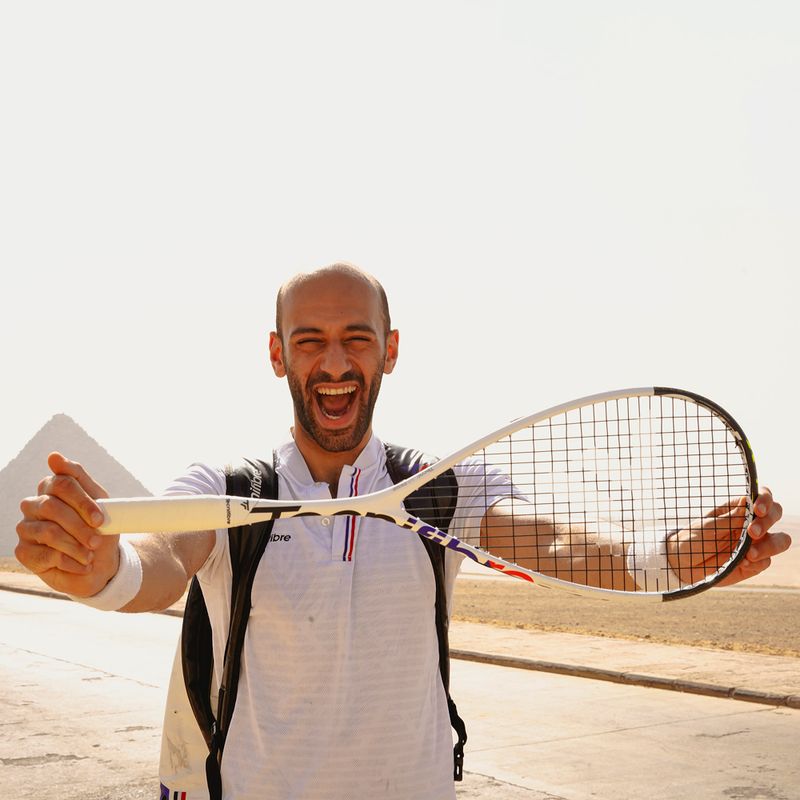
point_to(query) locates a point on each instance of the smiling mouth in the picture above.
(335, 401)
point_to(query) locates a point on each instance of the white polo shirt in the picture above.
(340, 695)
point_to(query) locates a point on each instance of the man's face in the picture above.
(334, 350)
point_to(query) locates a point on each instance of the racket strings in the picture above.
(635, 493)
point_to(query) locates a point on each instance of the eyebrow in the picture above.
(358, 327)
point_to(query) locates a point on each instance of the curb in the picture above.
(632, 679)
(53, 595)
(557, 668)
(38, 592)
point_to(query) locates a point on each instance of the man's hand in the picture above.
(58, 540)
(703, 547)
(765, 545)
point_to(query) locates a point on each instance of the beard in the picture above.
(334, 441)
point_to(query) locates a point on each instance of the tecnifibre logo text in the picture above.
(255, 493)
(255, 485)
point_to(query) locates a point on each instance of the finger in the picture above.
(709, 543)
(726, 508)
(41, 559)
(51, 535)
(719, 533)
(763, 501)
(768, 512)
(725, 518)
(70, 491)
(701, 571)
(701, 557)
(51, 509)
(773, 544)
(744, 571)
(757, 559)
(63, 466)
(710, 565)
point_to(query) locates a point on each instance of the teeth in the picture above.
(343, 390)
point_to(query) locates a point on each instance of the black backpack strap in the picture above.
(196, 659)
(246, 544)
(435, 502)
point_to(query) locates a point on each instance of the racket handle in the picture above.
(170, 514)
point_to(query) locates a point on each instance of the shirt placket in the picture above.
(345, 528)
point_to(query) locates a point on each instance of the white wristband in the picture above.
(649, 567)
(124, 586)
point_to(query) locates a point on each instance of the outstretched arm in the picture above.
(58, 541)
(511, 530)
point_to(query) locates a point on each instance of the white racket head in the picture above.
(636, 469)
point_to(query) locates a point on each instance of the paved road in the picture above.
(83, 692)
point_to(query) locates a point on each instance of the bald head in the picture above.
(340, 269)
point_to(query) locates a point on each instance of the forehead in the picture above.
(333, 299)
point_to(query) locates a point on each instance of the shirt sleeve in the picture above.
(479, 488)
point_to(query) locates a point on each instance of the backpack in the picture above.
(196, 722)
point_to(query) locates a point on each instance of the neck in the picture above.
(326, 466)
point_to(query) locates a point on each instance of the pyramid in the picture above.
(22, 474)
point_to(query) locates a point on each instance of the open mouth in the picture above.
(335, 402)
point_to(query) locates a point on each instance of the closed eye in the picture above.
(308, 343)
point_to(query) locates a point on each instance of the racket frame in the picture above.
(155, 514)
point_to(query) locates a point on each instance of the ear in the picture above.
(392, 348)
(276, 355)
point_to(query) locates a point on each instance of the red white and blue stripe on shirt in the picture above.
(351, 523)
(176, 795)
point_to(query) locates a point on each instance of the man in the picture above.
(340, 694)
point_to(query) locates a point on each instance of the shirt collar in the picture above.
(293, 467)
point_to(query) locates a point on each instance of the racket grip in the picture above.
(167, 514)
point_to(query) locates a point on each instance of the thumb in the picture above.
(731, 507)
(60, 465)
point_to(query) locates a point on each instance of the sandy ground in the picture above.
(759, 615)
(762, 621)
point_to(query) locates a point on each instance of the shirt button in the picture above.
(326, 521)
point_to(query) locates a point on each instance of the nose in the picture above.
(335, 360)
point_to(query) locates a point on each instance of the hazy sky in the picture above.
(560, 198)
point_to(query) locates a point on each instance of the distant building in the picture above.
(22, 474)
